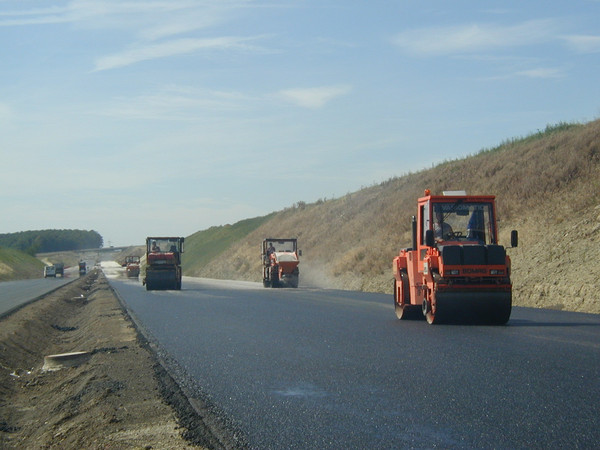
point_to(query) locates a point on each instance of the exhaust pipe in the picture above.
(414, 232)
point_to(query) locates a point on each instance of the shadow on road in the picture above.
(535, 323)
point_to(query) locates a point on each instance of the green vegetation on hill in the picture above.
(44, 241)
(540, 134)
(547, 187)
(17, 265)
(203, 246)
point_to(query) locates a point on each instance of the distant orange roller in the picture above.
(280, 262)
(132, 266)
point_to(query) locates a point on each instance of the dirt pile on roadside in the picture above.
(115, 399)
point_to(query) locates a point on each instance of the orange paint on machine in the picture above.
(456, 270)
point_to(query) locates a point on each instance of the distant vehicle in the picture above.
(82, 268)
(49, 271)
(163, 263)
(60, 269)
(132, 266)
(280, 262)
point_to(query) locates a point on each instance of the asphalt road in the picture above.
(311, 368)
(14, 294)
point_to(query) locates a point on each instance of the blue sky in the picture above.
(166, 117)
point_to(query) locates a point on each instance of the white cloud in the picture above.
(175, 47)
(542, 72)
(35, 16)
(474, 38)
(148, 22)
(584, 43)
(85, 10)
(314, 97)
(138, 17)
(174, 103)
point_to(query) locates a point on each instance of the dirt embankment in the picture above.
(120, 397)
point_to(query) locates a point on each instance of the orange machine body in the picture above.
(280, 258)
(456, 268)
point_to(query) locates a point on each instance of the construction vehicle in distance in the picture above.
(456, 271)
(60, 269)
(132, 266)
(280, 262)
(163, 263)
(82, 268)
(49, 271)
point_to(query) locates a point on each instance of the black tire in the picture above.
(274, 277)
(500, 316)
(402, 306)
(429, 315)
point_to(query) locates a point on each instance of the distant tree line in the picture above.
(44, 241)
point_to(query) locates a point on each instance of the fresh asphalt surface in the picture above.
(312, 368)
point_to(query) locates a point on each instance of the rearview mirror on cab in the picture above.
(429, 239)
(514, 238)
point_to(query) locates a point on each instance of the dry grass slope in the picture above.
(547, 187)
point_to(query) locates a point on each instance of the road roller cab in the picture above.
(132, 266)
(456, 271)
(280, 262)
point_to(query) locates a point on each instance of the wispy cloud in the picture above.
(314, 97)
(584, 43)
(35, 16)
(542, 72)
(110, 13)
(148, 51)
(150, 29)
(475, 37)
(175, 103)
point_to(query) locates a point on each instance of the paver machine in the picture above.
(456, 271)
(163, 263)
(280, 262)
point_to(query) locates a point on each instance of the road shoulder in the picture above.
(115, 398)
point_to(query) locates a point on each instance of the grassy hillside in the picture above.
(204, 246)
(547, 187)
(17, 265)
